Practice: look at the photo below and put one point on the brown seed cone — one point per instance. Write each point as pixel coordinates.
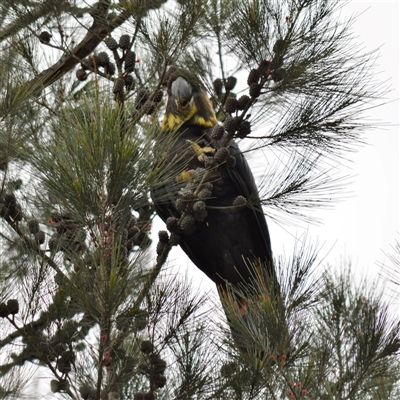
(200, 215)
(230, 124)
(124, 42)
(158, 365)
(102, 59)
(209, 162)
(13, 306)
(231, 105)
(217, 132)
(10, 200)
(159, 381)
(255, 90)
(129, 82)
(110, 69)
(16, 212)
(40, 237)
(204, 194)
(163, 237)
(279, 46)
(199, 210)
(45, 37)
(146, 347)
(181, 204)
(160, 248)
(64, 366)
(221, 155)
(149, 107)
(218, 84)
(33, 225)
(227, 370)
(158, 96)
(239, 201)
(142, 96)
(172, 224)
(111, 43)
(81, 75)
(253, 77)
(230, 83)
(119, 85)
(130, 60)
(242, 102)
(264, 67)
(244, 129)
(187, 224)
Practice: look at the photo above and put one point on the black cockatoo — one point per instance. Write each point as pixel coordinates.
(209, 197)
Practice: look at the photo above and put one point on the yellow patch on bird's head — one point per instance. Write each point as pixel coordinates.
(207, 123)
(197, 111)
(171, 122)
(174, 119)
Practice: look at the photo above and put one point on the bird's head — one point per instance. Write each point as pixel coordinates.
(187, 102)
(182, 93)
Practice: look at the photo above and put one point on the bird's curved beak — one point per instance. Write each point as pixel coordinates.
(182, 93)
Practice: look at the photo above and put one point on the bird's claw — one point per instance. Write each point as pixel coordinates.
(201, 152)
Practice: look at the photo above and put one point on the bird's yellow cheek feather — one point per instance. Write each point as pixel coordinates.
(207, 123)
(173, 121)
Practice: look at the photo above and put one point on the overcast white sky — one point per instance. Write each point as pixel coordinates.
(365, 225)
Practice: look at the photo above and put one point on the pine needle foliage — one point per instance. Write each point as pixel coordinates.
(87, 308)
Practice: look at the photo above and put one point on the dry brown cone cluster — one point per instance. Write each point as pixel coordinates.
(153, 368)
(236, 109)
(119, 67)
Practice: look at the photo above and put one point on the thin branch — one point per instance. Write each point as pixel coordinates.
(29, 17)
(96, 33)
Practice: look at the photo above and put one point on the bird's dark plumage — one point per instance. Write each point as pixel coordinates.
(232, 244)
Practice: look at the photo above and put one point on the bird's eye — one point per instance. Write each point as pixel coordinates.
(181, 103)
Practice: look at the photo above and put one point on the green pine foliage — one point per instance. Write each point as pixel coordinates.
(88, 307)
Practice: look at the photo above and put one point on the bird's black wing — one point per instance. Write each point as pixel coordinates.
(230, 239)
(242, 177)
